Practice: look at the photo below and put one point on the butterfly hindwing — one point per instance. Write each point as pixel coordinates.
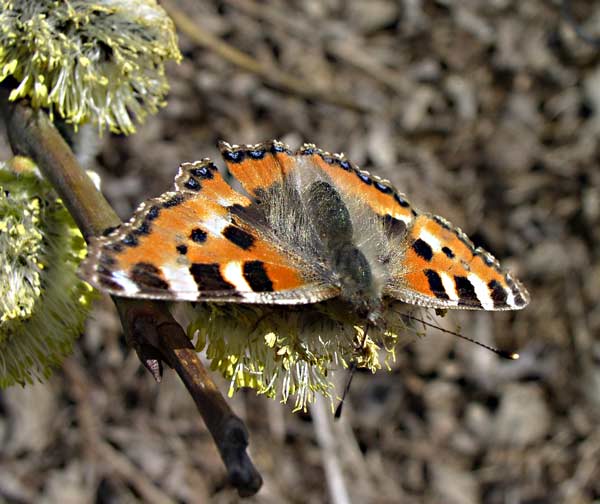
(441, 268)
(192, 245)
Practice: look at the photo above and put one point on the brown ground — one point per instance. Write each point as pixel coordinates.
(484, 112)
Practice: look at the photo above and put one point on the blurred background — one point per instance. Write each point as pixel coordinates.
(485, 112)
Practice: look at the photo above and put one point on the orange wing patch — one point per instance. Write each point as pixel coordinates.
(442, 268)
(257, 167)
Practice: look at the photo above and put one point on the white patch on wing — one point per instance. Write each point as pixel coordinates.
(407, 219)
(510, 298)
(482, 291)
(431, 240)
(225, 202)
(122, 279)
(232, 272)
(180, 279)
(449, 285)
(215, 224)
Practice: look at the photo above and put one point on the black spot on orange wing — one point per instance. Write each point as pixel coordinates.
(204, 172)
(277, 148)
(364, 178)
(328, 159)
(153, 213)
(498, 293)
(198, 235)
(435, 284)
(208, 277)
(256, 153)
(422, 249)
(182, 249)
(345, 165)
(236, 156)
(466, 292)
(448, 252)
(143, 229)
(238, 237)
(401, 201)
(256, 276)
(385, 189)
(147, 275)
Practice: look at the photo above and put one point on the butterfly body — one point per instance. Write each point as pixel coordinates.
(305, 227)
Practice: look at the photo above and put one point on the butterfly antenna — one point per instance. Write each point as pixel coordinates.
(501, 353)
(352, 369)
(338, 410)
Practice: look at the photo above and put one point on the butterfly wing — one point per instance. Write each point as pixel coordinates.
(438, 265)
(441, 268)
(280, 163)
(193, 245)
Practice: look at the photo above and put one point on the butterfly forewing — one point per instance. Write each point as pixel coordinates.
(192, 245)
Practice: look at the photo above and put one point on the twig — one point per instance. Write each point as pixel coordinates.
(148, 325)
(338, 490)
(268, 73)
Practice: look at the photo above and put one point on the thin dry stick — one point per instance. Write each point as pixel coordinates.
(338, 490)
(268, 73)
(148, 325)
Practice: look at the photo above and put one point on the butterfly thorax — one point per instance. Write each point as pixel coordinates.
(333, 225)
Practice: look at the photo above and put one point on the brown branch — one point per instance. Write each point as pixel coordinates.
(270, 74)
(148, 325)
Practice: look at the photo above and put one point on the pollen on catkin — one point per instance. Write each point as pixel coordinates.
(96, 61)
(43, 304)
(291, 353)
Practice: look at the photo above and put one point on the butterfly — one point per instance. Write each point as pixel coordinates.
(295, 228)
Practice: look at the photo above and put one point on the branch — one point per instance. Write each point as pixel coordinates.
(148, 325)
